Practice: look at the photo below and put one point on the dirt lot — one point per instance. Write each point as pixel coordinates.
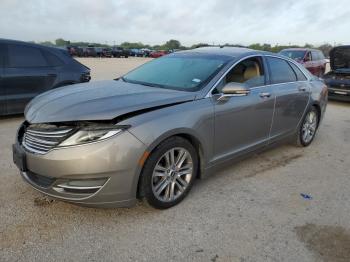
(250, 211)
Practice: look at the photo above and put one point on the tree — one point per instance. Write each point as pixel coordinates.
(172, 44)
(48, 43)
(325, 48)
(61, 42)
(199, 45)
(129, 45)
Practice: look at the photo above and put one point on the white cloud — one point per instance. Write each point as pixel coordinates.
(189, 21)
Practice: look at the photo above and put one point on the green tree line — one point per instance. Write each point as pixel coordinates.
(175, 44)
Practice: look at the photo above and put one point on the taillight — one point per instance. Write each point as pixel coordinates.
(85, 77)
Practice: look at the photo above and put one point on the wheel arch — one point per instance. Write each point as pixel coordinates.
(319, 112)
(187, 134)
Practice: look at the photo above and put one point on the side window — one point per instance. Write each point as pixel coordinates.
(308, 57)
(300, 75)
(315, 56)
(52, 59)
(280, 71)
(321, 55)
(250, 72)
(2, 55)
(25, 56)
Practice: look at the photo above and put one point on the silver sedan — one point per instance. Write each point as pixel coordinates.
(152, 132)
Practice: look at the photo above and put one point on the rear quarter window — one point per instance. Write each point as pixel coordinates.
(300, 75)
(25, 56)
(280, 71)
(52, 59)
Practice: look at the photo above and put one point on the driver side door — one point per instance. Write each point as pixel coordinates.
(243, 123)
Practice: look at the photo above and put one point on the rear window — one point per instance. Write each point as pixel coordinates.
(280, 71)
(25, 56)
(293, 54)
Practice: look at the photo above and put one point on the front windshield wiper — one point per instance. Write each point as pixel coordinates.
(140, 83)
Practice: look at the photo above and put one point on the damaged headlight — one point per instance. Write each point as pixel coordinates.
(91, 134)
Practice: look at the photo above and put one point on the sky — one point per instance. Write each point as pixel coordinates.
(189, 21)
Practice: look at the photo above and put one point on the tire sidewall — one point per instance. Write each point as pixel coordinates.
(147, 172)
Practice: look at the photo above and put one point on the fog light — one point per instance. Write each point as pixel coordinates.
(85, 186)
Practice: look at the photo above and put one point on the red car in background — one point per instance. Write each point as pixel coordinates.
(312, 59)
(156, 54)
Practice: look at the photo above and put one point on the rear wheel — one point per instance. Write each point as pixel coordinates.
(308, 128)
(169, 173)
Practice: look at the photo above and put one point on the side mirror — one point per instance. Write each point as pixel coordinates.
(234, 89)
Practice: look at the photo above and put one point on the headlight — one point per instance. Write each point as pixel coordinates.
(91, 134)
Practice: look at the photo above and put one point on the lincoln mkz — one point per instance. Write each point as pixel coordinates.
(150, 133)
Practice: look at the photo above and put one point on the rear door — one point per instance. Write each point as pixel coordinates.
(292, 95)
(26, 74)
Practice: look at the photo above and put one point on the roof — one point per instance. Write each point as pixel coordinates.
(225, 50)
(9, 41)
(300, 49)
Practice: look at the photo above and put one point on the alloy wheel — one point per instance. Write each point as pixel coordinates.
(309, 127)
(172, 174)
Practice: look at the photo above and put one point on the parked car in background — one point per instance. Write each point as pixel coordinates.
(136, 52)
(312, 59)
(152, 132)
(118, 51)
(146, 52)
(27, 69)
(99, 51)
(75, 51)
(106, 52)
(338, 79)
(159, 53)
(90, 52)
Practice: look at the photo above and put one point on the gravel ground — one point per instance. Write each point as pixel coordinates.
(249, 211)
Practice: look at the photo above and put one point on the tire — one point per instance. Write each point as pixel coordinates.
(308, 128)
(165, 183)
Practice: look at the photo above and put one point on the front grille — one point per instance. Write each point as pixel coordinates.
(42, 138)
(343, 87)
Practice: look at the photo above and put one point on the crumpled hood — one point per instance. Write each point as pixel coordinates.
(340, 58)
(101, 100)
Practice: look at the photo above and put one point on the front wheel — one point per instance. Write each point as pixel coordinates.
(308, 128)
(169, 173)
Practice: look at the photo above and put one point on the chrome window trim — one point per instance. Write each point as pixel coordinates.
(209, 94)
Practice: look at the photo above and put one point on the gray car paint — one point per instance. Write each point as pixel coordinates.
(103, 100)
(221, 131)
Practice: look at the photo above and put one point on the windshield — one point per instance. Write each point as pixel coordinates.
(179, 72)
(293, 54)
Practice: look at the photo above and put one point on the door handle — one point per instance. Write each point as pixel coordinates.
(263, 95)
(302, 88)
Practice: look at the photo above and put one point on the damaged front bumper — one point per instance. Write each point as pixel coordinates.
(103, 174)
